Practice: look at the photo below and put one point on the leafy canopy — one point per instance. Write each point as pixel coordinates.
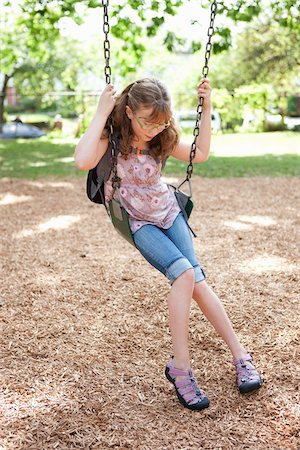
(132, 19)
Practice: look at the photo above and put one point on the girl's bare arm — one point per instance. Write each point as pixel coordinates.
(93, 143)
(182, 151)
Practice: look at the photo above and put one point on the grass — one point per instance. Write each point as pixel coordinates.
(31, 117)
(243, 166)
(253, 144)
(53, 156)
(34, 158)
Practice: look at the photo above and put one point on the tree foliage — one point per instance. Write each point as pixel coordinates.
(132, 19)
(263, 53)
(30, 32)
(38, 66)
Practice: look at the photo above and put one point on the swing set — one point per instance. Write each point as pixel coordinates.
(99, 174)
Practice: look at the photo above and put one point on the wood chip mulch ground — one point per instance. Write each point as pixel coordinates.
(84, 323)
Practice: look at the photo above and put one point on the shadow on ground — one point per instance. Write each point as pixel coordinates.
(85, 327)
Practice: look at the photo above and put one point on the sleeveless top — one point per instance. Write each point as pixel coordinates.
(146, 198)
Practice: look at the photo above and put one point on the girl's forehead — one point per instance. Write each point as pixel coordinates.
(152, 114)
(145, 111)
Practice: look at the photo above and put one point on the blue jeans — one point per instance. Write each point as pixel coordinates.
(171, 251)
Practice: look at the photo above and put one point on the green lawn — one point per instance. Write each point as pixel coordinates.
(243, 166)
(35, 158)
(253, 144)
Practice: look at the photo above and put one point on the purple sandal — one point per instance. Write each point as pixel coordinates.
(187, 390)
(248, 378)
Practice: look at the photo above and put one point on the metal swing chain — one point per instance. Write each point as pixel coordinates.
(116, 181)
(106, 43)
(205, 71)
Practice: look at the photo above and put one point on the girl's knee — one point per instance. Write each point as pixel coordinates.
(201, 287)
(201, 284)
(188, 276)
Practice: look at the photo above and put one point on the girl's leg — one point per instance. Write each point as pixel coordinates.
(214, 311)
(164, 255)
(207, 300)
(248, 378)
(178, 370)
(179, 302)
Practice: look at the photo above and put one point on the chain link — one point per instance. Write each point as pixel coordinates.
(107, 71)
(106, 43)
(205, 70)
(116, 180)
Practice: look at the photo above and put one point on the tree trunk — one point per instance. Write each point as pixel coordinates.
(2, 96)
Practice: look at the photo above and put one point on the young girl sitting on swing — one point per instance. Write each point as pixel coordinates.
(142, 117)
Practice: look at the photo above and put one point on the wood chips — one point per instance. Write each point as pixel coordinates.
(84, 322)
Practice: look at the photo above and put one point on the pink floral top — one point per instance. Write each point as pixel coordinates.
(146, 198)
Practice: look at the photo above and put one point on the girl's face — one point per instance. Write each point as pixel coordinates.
(143, 127)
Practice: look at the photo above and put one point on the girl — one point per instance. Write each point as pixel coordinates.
(147, 136)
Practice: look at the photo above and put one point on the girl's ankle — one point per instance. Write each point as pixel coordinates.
(181, 364)
(239, 354)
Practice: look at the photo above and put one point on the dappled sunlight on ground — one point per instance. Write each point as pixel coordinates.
(38, 164)
(86, 330)
(284, 337)
(55, 223)
(66, 159)
(255, 144)
(52, 184)
(237, 225)
(48, 279)
(265, 221)
(31, 401)
(10, 199)
(170, 180)
(245, 222)
(64, 140)
(266, 263)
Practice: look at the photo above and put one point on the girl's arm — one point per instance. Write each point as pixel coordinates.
(93, 143)
(182, 151)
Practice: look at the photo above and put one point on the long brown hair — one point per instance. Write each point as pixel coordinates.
(146, 93)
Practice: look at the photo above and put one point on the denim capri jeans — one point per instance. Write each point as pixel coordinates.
(171, 250)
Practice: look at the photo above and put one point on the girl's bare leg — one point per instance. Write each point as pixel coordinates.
(179, 303)
(214, 311)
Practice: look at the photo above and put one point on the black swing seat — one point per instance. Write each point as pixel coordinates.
(117, 213)
(120, 220)
(100, 174)
(184, 199)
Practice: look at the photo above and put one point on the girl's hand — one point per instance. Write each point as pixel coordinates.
(107, 101)
(204, 90)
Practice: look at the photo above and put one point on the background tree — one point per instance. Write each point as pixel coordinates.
(39, 67)
(37, 27)
(266, 53)
(65, 69)
(132, 19)
(263, 68)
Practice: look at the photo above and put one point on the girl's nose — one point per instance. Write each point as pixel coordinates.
(152, 133)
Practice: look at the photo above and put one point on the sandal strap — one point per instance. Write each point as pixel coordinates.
(245, 370)
(241, 361)
(179, 372)
(248, 374)
(187, 386)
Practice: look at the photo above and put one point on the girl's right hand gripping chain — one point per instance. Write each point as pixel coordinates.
(107, 101)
